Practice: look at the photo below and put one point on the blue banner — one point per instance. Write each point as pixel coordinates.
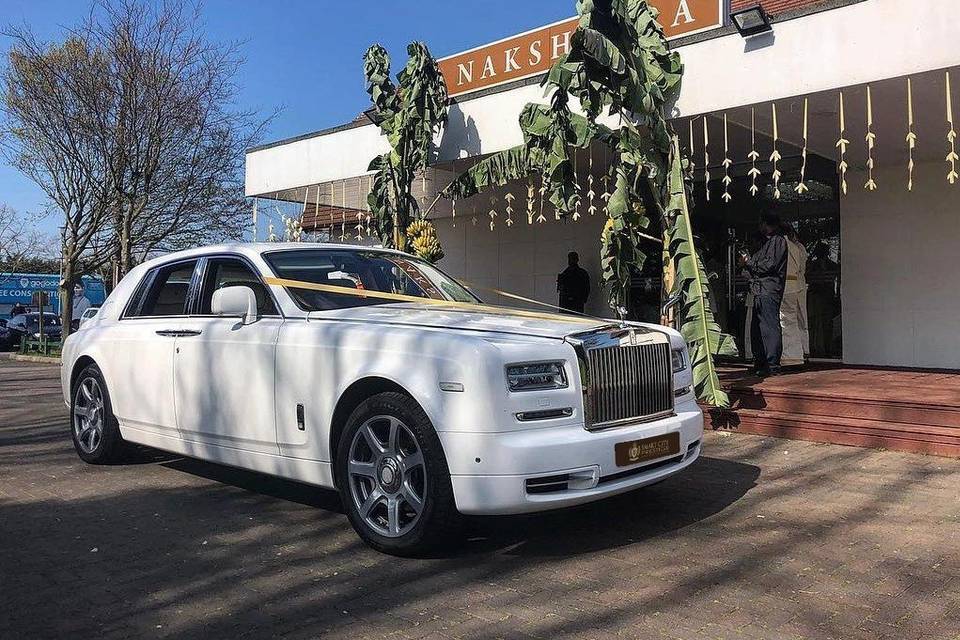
(19, 287)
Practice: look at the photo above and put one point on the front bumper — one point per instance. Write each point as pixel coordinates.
(489, 471)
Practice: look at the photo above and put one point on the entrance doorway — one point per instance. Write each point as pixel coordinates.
(723, 229)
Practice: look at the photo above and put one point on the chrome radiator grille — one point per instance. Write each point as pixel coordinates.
(628, 383)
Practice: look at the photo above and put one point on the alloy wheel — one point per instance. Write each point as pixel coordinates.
(88, 415)
(387, 476)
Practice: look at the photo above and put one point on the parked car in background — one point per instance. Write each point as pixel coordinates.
(28, 324)
(373, 372)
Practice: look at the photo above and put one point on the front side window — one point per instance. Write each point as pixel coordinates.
(167, 293)
(231, 272)
(364, 271)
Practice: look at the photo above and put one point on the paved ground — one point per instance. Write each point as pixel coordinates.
(762, 538)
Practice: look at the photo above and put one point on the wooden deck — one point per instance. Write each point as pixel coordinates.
(905, 410)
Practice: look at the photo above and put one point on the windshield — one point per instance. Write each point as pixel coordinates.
(364, 271)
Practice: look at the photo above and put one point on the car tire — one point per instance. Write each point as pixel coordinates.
(381, 483)
(94, 428)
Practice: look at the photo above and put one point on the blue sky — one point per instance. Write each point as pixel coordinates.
(305, 56)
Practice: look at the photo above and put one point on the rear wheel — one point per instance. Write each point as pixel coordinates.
(96, 435)
(393, 477)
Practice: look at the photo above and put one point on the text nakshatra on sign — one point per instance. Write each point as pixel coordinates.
(534, 52)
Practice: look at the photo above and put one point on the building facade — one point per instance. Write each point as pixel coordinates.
(846, 100)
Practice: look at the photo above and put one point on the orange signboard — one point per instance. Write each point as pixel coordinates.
(533, 52)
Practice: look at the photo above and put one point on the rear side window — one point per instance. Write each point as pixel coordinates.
(231, 272)
(165, 291)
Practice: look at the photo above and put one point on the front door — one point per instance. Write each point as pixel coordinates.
(224, 369)
(140, 350)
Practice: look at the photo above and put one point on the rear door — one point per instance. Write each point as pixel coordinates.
(224, 371)
(140, 349)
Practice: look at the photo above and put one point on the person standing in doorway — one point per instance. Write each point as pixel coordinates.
(793, 309)
(573, 285)
(768, 274)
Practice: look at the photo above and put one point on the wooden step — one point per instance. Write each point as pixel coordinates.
(846, 406)
(860, 432)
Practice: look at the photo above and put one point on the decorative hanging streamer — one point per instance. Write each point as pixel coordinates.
(871, 139)
(911, 135)
(306, 195)
(271, 236)
(706, 159)
(952, 157)
(591, 194)
(690, 154)
(531, 192)
(369, 191)
(842, 143)
(802, 186)
(509, 198)
(753, 156)
(423, 186)
(343, 211)
(576, 182)
(359, 211)
(775, 156)
(727, 162)
(453, 207)
(493, 212)
(543, 190)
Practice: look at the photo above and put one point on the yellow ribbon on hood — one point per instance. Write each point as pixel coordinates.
(468, 307)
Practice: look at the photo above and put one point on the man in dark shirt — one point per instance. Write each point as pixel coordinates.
(768, 275)
(573, 284)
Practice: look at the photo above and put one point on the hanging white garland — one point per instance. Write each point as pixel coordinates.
(952, 157)
(775, 157)
(801, 187)
(754, 155)
(493, 212)
(871, 140)
(706, 159)
(727, 162)
(359, 211)
(531, 193)
(842, 144)
(591, 193)
(509, 210)
(911, 135)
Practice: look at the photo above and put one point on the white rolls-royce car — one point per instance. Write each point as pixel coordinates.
(374, 373)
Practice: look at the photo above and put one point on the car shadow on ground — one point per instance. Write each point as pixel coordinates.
(692, 496)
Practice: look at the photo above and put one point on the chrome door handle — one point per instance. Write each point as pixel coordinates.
(179, 333)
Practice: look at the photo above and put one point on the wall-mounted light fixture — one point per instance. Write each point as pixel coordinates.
(751, 21)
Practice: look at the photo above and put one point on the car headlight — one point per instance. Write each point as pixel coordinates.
(679, 359)
(536, 376)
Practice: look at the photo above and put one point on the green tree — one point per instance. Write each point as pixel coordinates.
(409, 113)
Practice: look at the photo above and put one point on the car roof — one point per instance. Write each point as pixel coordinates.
(251, 249)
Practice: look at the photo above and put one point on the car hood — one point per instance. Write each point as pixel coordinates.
(506, 321)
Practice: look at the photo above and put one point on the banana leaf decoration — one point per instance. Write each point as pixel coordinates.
(697, 323)
(408, 114)
(618, 64)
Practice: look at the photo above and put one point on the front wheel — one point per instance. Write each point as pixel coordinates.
(96, 435)
(393, 477)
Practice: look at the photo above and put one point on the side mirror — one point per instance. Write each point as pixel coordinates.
(235, 301)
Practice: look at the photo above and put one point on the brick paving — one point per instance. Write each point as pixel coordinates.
(763, 538)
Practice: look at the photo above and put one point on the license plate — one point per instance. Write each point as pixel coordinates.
(636, 451)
